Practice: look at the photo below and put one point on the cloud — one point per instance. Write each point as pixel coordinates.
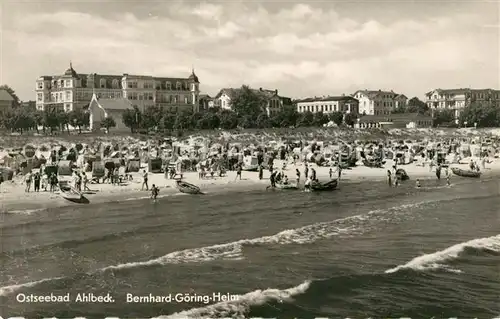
(300, 49)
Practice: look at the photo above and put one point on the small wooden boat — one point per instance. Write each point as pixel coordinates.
(68, 192)
(288, 186)
(402, 175)
(326, 186)
(465, 173)
(187, 188)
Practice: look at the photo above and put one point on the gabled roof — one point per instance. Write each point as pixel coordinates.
(327, 99)
(373, 93)
(115, 104)
(460, 91)
(5, 96)
(232, 92)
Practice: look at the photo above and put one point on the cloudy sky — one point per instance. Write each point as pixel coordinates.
(300, 48)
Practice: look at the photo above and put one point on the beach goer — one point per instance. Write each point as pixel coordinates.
(330, 172)
(36, 182)
(285, 180)
(78, 181)
(471, 165)
(297, 173)
(417, 183)
(448, 180)
(85, 181)
(154, 191)
(339, 170)
(27, 180)
(389, 177)
(483, 162)
(272, 179)
(238, 172)
(261, 172)
(307, 184)
(306, 171)
(313, 174)
(438, 172)
(144, 180)
(1, 178)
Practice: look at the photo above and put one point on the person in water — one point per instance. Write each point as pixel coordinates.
(448, 180)
(297, 173)
(154, 192)
(389, 177)
(418, 183)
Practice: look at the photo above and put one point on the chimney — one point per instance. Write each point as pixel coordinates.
(276, 91)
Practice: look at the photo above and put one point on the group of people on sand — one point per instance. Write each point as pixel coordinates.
(39, 180)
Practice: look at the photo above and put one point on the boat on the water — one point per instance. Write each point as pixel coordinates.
(187, 188)
(68, 192)
(323, 186)
(465, 173)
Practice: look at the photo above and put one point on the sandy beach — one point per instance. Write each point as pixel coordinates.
(15, 199)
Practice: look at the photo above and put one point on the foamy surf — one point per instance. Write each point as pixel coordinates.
(349, 226)
(353, 225)
(240, 307)
(7, 290)
(23, 211)
(436, 260)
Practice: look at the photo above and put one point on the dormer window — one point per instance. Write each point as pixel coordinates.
(168, 85)
(178, 85)
(103, 83)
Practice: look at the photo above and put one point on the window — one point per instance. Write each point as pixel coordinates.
(148, 85)
(68, 95)
(40, 85)
(132, 85)
(186, 100)
(168, 85)
(67, 83)
(39, 97)
(102, 83)
(178, 85)
(115, 84)
(132, 96)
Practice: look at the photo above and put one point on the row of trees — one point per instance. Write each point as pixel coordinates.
(248, 112)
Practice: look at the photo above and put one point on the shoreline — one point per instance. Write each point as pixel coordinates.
(14, 199)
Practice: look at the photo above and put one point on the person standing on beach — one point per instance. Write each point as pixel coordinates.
(389, 178)
(297, 172)
(306, 171)
(27, 180)
(438, 172)
(313, 174)
(448, 180)
(330, 172)
(261, 172)
(144, 180)
(238, 172)
(36, 182)
(85, 181)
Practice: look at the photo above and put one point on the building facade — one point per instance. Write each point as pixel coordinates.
(379, 102)
(458, 99)
(101, 108)
(6, 100)
(400, 120)
(205, 102)
(274, 102)
(72, 90)
(330, 104)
